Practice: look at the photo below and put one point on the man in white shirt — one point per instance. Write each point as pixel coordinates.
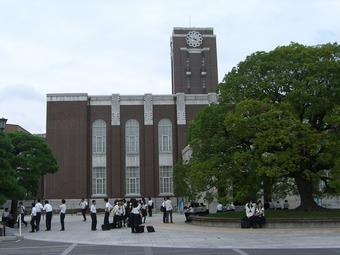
(48, 209)
(83, 207)
(38, 208)
(168, 208)
(93, 211)
(33, 218)
(150, 206)
(62, 209)
(108, 209)
(22, 213)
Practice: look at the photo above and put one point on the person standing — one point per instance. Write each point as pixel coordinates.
(83, 206)
(38, 207)
(93, 211)
(143, 209)
(163, 210)
(108, 209)
(150, 206)
(62, 212)
(48, 209)
(168, 208)
(33, 218)
(22, 213)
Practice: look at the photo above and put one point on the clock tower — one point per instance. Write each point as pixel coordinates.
(193, 60)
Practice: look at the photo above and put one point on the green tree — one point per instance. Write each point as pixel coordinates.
(285, 124)
(31, 159)
(8, 182)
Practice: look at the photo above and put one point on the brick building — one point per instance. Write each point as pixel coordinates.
(126, 146)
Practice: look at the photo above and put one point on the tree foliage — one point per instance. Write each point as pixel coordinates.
(284, 126)
(24, 159)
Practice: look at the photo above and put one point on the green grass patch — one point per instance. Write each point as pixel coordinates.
(289, 214)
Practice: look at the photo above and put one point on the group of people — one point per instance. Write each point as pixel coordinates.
(124, 213)
(254, 215)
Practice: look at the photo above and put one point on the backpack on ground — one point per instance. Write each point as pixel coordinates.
(140, 229)
(150, 229)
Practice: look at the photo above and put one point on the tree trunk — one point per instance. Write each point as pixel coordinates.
(305, 189)
(267, 189)
(14, 208)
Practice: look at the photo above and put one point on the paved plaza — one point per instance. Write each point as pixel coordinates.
(182, 235)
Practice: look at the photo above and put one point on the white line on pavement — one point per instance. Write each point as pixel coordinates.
(69, 249)
(238, 251)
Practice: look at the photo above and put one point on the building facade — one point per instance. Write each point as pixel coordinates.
(126, 146)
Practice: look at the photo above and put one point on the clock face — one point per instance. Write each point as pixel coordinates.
(194, 39)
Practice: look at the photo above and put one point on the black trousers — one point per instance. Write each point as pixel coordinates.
(94, 221)
(23, 219)
(106, 218)
(169, 216)
(164, 216)
(62, 221)
(48, 220)
(37, 220)
(83, 212)
(150, 211)
(33, 221)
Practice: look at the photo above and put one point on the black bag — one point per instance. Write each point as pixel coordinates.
(162, 209)
(150, 229)
(112, 226)
(140, 229)
(105, 227)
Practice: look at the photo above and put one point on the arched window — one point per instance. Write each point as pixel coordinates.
(99, 137)
(99, 158)
(165, 157)
(132, 170)
(165, 136)
(132, 137)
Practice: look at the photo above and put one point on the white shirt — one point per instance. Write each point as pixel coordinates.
(93, 209)
(249, 210)
(135, 210)
(108, 207)
(22, 209)
(62, 208)
(150, 203)
(47, 208)
(34, 211)
(259, 211)
(83, 204)
(168, 205)
(38, 207)
(5, 214)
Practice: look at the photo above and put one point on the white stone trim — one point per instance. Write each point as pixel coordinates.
(148, 109)
(196, 99)
(100, 100)
(195, 50)
(165, 159)
(181, 115)
(115, 110)
(184, 35)
(132, 100)
(67, 97)
(163, 99)
(132, 160)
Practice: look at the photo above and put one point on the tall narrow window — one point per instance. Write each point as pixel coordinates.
(99, 158)
(132, 170)
(165, 157)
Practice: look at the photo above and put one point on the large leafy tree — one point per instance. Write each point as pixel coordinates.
(285, 124)
(24, 159)
(8, 182)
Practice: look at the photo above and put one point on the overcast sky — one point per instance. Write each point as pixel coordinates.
(102, 47)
